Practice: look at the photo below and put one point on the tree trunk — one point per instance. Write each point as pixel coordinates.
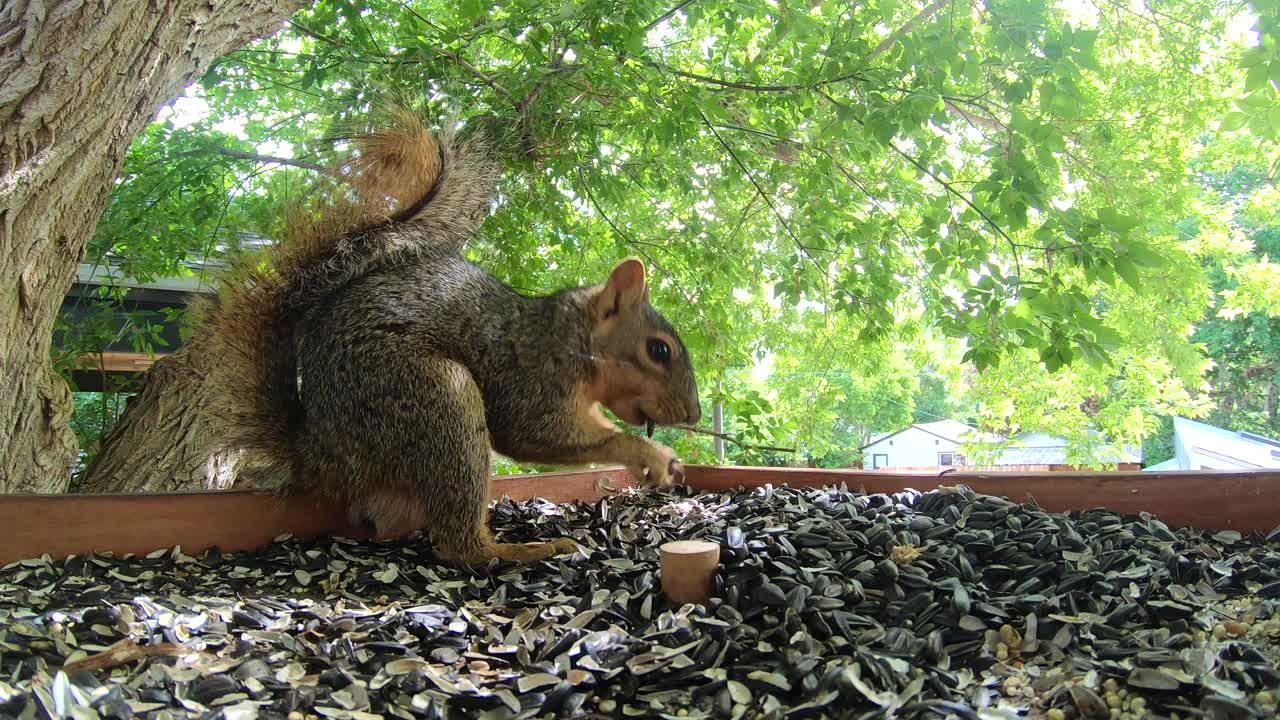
(164, 441)
(1226, 402)
(1271, 405)
(78, 81)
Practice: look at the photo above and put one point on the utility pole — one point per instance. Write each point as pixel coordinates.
(717, 424)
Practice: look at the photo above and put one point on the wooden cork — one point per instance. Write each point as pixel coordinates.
(688, 570)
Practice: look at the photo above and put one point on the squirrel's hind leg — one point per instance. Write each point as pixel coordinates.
(452, 477)
(484, 549)
(389, 513)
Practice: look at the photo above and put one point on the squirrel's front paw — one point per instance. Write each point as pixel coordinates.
(659, 468)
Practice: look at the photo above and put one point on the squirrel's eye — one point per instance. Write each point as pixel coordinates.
(659, 352)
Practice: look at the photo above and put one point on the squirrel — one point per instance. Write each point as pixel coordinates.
(365, 360)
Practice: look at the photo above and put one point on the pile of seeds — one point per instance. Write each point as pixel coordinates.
(829, 603)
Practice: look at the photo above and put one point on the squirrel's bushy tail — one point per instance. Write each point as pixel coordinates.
(402, 190)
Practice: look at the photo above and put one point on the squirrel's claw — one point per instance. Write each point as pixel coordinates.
(676, 470)
(661, 469)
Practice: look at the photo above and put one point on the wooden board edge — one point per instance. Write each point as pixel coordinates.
(32, 526)
(1208, 500)
(58, 526)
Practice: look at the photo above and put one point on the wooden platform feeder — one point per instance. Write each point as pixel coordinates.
(63, 525)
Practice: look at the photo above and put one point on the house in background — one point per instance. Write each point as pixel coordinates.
(919, 445)
(148, 299)
(937, 445)
(1199, 446)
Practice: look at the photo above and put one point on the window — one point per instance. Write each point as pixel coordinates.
(946, 459)
(879, 460)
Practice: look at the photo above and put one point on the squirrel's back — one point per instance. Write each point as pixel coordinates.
(443, 304)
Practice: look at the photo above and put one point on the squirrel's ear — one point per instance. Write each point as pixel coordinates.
(628, 279)
(626, 287)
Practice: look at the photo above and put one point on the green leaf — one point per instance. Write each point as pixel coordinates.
(1019, 90)
(1261, 125)
(1128, 271)
(635, 41)
(1113, 219)
(1257, 78)
(1107, 338)
(1234, 121)
(1273, 119)
(1093, 354)
(1144, 256)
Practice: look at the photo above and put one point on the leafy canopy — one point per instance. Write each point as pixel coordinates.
(849, 192)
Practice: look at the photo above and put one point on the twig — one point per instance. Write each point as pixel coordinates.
(316, 35)
(746, 213)
(522, 108)
(753, 87)
(591, 198)
(989, 123)
(479, 74)
(242, 155)
(888, 43)
(123, 653)
(763, 195)
(734, 440)
(666, 15)
(945, 185)
(460, 61)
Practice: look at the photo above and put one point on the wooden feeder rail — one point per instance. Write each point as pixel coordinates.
(63, 525)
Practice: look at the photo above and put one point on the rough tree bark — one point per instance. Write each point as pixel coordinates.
(164, 442)
(78, 81)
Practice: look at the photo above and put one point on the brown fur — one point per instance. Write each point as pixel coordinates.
(414, 362)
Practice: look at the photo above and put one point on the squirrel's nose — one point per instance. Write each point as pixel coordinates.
(695, 414)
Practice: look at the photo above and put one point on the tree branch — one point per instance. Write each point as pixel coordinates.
(666, 15)
(753, 87)
(241, 155)
(730, 438)
(897, 35)
(763, 195)
(458, 59)
(479, 74)
(746, 213)
(989, 123)
(946, 186)
(627, 238)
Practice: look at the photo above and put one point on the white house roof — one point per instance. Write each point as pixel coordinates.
(1234, 446)
(1026, 448)
(951, 430)
(1167, 465)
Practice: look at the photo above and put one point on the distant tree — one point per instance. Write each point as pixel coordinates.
(1159, 445)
